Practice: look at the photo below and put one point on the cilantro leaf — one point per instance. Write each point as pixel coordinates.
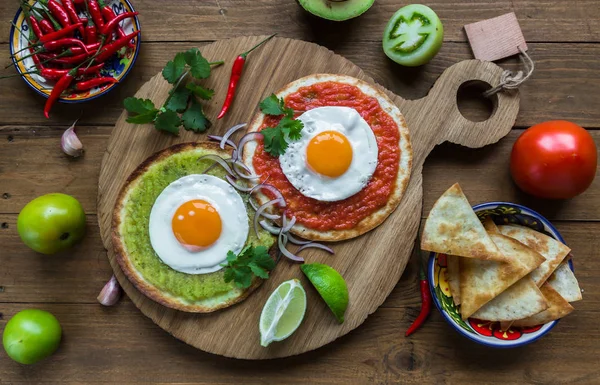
(199, 91)
(138, 106)
(194, 119)
(250, 262)
(272, 105)
(199, 67)
(258, 271)
(178, 101)
(274, 141)
(148, 117)
(174, 69)
(143, 107)
(168, 121)
(291, 127)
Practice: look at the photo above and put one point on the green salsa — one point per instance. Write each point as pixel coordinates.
(136, 237)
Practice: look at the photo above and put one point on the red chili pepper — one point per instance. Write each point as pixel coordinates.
(55, 74)
(62, 84)
(94, 10)
(109, 15)
(73, 16)
(112, 24)
(236, 73)
(91, 48)
(60, 33)
(425, 302)
(56, 44)
(35, 27)
(59, 13)
(79, 2)
(71, 60)
(91, 35)
(109, 49)
(89, 84)
(46, 26)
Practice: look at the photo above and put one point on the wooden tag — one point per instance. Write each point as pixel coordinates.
(496, 38)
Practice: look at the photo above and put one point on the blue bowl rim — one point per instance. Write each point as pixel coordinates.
(61, 100)
(505, 344)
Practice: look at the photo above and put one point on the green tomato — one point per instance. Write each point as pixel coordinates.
(51, 223)
(413, 36)
(31, 335)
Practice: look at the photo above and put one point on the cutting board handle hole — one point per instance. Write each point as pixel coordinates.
(472, 104)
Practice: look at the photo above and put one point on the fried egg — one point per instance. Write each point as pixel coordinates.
(335, 157)
(195, 221)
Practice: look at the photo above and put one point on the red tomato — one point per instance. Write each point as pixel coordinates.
(555, 159)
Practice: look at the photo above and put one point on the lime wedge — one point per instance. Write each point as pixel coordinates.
(330, 285)
(283, 312)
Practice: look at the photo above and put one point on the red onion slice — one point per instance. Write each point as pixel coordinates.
(262, 208)
(315, 245)
(237, 164)
(230, 132)
(275, 230)
(296, 241)
(233, 182)
(217, 138)
(272, 217)
(281, 242)
(246, 138)
(222, 162)
(288, 226)
(270, 188)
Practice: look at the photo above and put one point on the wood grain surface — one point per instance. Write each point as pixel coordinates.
(431, 120)
(120, 345)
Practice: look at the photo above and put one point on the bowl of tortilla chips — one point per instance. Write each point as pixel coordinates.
(499, 272)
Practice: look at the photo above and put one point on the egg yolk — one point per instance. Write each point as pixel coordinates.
(329, 153)
(196, 224)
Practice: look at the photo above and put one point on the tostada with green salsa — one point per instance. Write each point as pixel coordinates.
(176, 223)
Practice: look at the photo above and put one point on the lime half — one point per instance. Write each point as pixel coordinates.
(283, 312)
(330, 285)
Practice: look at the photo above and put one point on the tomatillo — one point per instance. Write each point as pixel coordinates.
(31, 335)
(413, 36)
(51, 223)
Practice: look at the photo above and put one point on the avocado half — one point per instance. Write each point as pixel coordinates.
(336, 10)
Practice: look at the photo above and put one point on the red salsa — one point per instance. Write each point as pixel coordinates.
(347, 213)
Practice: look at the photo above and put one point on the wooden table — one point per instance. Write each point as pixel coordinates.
(120, 345)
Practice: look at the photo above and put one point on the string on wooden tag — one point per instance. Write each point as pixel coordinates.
(497, 38)
(511, 81)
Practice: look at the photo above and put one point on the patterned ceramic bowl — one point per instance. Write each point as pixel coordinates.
(118, 66)
(486, 332)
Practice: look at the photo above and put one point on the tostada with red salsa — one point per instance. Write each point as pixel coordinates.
(344, 169)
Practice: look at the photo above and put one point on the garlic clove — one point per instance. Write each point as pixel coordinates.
(70, 143)
(111, 292)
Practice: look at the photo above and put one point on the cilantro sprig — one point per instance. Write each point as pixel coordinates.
(250, 262)
(276, 139)
(182, 106)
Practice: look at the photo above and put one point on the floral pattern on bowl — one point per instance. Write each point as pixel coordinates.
(118, 66)
(486, 332)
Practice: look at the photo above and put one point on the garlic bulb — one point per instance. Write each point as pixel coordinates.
(70, 143)
(111, 292)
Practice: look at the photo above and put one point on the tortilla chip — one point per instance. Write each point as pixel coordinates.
(452, 273)
(482, 281)
(553, 250)
(521, 300)
(564, 282)
(453, 228)
(490, 226)
(559, 307)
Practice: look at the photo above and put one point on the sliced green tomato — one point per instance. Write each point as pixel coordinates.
(413, 36)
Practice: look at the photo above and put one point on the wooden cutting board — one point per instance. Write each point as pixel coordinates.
(371, 264)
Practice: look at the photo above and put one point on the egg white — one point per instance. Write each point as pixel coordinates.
(226, 201)
(348, 122)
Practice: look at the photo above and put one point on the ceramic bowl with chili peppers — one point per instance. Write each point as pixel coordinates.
(485, 332)
(54, 57)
